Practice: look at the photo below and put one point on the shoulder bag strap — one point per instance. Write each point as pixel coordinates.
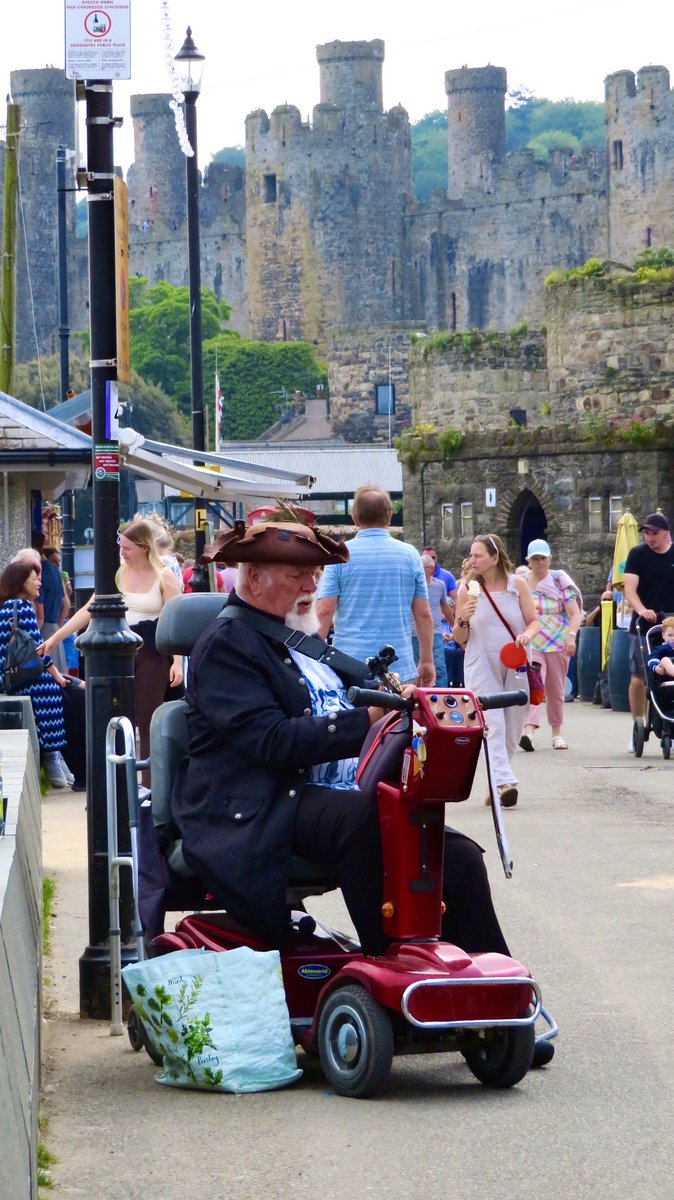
(498, 612)
(294, 639)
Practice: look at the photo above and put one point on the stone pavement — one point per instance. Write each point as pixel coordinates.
(588, 909)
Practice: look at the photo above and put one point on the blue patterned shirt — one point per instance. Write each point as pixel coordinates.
(327, 694)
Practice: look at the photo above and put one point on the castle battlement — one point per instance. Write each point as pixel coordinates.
(321, 231)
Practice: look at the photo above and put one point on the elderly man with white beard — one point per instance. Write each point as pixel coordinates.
(274, 745)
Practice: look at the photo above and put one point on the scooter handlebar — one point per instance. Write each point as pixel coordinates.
(364, 697)
(504, 700)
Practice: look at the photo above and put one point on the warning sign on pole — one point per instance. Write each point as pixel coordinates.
(98, 40)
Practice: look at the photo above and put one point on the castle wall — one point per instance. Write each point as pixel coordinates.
(608, 351)
(611, 347)
(47, 101)
(529, 470)
(325, 210)
(473, 387)
(358, 360)
(481, 263)
(640, 137)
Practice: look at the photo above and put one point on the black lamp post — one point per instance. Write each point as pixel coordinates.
(108, 644)
(190, 65)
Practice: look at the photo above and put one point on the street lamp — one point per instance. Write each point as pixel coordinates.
(190, 64)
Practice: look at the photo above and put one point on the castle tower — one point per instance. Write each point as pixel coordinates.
(158, 211)
(156, 179)
(640, 136)
(47, 102)
(351, 74)
(475, 126)
(325, 205)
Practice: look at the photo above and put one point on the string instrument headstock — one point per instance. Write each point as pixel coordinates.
(379, 665)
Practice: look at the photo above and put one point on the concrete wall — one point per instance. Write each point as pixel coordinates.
(20, 965)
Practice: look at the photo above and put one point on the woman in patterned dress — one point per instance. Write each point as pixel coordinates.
(20, 587)
(555, 597)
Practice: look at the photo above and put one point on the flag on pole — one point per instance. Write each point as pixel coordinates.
(218, 411)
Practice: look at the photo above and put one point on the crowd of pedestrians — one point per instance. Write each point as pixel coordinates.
(482, 629)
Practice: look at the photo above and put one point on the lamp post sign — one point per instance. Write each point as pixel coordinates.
(98, 40)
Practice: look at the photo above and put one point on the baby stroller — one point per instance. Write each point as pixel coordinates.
(659, 718)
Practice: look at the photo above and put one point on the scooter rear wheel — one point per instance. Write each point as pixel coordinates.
(500, 1057)
(355, 1042)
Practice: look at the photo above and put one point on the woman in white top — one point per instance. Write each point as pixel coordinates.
(482, 631)
(146, 584)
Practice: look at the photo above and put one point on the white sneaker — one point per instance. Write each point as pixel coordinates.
(69, 777)
(52, 765)
(630, 746)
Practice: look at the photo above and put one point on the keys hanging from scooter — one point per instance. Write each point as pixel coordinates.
(419, 748)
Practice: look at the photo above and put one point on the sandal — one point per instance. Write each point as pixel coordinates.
(558, 743)
(508, 794)
(526, 743)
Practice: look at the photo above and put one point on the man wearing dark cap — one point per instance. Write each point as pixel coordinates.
(649, 588)
(273, 750)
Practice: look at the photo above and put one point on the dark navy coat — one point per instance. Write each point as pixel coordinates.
(252, 736)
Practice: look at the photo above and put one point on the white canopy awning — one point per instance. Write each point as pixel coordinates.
(167, 465)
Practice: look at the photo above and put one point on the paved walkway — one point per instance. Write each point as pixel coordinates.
(589, 910)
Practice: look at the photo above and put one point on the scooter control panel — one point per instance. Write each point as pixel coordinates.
(453, 708)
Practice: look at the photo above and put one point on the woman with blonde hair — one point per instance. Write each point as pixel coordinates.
(146, 584)
(494, 606)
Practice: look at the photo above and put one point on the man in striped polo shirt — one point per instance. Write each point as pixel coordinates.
(372, 598)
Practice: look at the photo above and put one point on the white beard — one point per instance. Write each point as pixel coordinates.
(308, 623)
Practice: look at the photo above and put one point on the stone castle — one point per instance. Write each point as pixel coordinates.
(320, 237)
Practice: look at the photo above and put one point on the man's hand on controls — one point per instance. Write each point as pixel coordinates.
(376, 714)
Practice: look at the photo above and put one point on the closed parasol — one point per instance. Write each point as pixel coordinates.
(627, 536)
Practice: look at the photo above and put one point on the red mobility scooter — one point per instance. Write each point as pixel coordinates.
(354, 1011)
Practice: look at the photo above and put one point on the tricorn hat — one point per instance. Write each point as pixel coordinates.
(287, 539)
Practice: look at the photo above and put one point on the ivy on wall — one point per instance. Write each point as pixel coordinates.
(259, 381)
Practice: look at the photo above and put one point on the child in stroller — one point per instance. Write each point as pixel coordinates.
(661, 658)
(657, 649)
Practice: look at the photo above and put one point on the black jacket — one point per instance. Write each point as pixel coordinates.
(252, 735)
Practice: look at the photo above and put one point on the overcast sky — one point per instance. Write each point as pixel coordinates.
(262, 54)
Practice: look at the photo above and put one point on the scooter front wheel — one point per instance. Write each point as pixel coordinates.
(355, 1042)
(500, 1057)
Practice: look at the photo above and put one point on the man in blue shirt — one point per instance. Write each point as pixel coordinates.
(371, 598)
(441, 573)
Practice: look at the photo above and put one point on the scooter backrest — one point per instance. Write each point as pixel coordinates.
(184, 619)
(169, 744)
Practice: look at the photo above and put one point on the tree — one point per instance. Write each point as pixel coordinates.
(148, 409)
(232, 156)
(160, 335)
(553, 139)
(253, 378)
(575, 123)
